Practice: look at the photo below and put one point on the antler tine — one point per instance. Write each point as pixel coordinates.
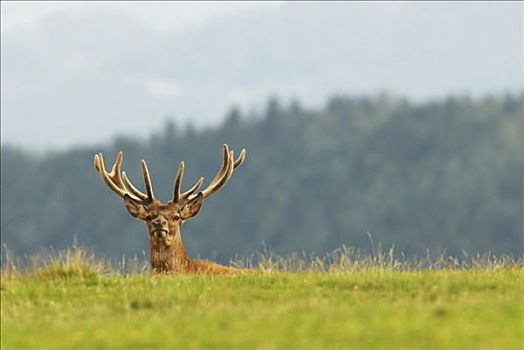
(147, 181)
(100, 167)
(222, 176)
(178, 182)
(240, 158)
(112, 179)
(228, 166)
(229, 172)
(219, 176)
(192, 190)
(224, 167)
(132, 188)
(115, 170)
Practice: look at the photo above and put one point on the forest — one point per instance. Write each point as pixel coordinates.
(435, 177)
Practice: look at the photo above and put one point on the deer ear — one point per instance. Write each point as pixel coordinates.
(135, 209)
(192, 207)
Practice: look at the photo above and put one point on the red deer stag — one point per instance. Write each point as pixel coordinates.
(168, 253)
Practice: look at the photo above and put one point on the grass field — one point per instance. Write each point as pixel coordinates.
(478, 308)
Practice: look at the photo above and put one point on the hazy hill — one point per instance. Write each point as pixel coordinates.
(99, 73)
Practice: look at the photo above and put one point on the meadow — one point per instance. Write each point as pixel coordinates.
(76, 301)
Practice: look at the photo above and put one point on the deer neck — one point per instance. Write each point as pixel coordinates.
(171, 258)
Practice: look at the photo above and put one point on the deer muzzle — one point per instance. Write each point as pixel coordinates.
(160, 233)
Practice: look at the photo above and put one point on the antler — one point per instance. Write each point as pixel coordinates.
(178, 197)
(120, 184)
(118, 181)
(228, 166)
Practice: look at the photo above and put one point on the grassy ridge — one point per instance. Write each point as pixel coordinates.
(367, 309)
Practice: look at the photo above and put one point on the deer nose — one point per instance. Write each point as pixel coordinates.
(160, 222)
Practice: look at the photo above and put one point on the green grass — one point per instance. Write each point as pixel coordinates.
(371, 308)
(73, 299)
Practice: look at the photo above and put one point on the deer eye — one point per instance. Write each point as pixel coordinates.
(176, 217)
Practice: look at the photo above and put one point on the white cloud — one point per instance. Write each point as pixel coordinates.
(163, 88)
(157, 15)
(23, 14)
(96, 69)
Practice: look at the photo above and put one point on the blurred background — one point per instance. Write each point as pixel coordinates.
(401, 121)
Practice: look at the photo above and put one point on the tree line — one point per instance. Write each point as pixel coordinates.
(440, 176)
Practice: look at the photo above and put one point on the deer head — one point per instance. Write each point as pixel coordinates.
(164, 220)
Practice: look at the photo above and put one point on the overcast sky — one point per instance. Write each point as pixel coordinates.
(80, 72)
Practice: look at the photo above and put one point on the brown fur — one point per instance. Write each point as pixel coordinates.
(168, 253)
